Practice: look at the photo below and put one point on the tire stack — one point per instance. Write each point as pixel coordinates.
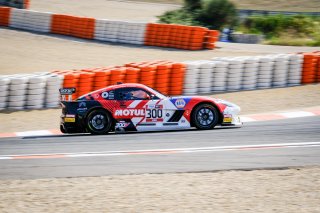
(295, 69)
(280, 72)
(17, 92)
(132, 75)
(120, 31)
(52, 96)
(117, 75)
(35, 92)
(191, 78)
(250, 72)
(264, 77)
(310, 61)
(162, 77)
(101, 78)
(177, 79)
(235, 72)
(219, 81)
(4, 86)
(131, 33)
(30, 20)
(205, 77)
(147, 74)
(5, 16)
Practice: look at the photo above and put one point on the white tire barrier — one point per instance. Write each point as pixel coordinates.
(30, 20)
(120, 31)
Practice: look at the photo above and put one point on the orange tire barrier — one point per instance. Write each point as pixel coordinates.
(165, 76)
(309, 71)
(80, 27)
(4, 16)
(181, 37)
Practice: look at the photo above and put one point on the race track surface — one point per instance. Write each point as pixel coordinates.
(273, 144)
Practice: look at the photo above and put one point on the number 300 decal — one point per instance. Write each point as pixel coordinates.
(153, 113)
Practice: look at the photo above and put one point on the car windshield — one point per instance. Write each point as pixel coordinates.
(157, 93)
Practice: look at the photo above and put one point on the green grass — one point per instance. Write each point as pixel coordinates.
(276, 5)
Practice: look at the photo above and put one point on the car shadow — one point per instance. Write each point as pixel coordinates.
(219, 128)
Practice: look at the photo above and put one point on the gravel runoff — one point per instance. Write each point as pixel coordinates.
(289, 190)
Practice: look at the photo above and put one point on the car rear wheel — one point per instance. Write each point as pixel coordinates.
(205, 116)
(99, 122)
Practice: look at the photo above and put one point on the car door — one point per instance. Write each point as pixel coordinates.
(136, 111)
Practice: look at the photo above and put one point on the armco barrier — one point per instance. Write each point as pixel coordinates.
(40, 90)
(152, 34)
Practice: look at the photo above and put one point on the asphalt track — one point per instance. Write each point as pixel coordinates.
(272, 144)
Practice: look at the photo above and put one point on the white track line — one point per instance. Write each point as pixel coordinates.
(161, 151)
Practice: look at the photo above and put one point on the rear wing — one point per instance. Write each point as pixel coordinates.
(66, 93)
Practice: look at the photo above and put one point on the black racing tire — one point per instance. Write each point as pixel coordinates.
(205, 116)
(62, 129)
(99, 122)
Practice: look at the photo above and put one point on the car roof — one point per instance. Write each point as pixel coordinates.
(125, 85)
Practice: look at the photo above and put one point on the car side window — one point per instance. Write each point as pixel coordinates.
(132, 94)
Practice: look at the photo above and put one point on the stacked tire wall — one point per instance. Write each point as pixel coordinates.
(150, 34)
(41, 90)
(243, 73)
(30, 91)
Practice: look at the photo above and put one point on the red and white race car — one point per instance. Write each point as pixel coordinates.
(136, 107)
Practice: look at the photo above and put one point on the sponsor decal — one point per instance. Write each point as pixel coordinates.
(69, 120)
(82, 104)
(105, 95)
(154, 106)
(151, 106)
(122, 124)
(96, 96)
(70, 116)
(180, 103)
(227, 120)
(130, 112)
(168, 114)
(111, 95)
(154, 120)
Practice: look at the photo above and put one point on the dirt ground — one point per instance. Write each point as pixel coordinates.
(291, 190)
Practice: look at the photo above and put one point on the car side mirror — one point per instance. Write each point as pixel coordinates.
(152, 96)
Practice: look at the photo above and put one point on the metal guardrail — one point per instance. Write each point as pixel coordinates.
(246, 13)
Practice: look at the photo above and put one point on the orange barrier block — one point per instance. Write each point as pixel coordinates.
(80, 27)
(4, 16)
(180, 36)
(309, 68)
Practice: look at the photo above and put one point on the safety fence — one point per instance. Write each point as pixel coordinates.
(220, 74)
(149, 34)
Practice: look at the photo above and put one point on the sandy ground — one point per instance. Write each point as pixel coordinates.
(291, 190)
(25, 52)
(251, 102)
(104, 9)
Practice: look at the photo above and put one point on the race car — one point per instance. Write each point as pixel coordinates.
(136, 107)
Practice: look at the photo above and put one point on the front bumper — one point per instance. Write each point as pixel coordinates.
(231, 116)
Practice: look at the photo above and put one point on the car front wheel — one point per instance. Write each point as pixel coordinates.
(99, 122)
(205, 116)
